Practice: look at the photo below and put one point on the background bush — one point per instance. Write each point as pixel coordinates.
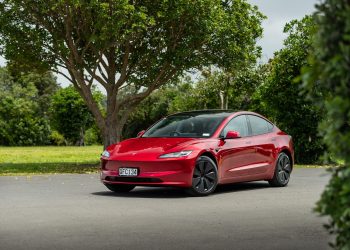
(21, 117)
(328, 82)
(281, 94)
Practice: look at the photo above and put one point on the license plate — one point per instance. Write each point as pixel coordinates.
(127, 171)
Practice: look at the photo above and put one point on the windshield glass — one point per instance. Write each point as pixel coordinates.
(184, 125)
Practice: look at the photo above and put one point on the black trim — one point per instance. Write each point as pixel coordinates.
(133, 179)
(250, 131)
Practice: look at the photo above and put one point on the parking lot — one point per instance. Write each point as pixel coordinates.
(77, 212)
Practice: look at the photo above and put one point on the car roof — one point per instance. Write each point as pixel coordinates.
(220, 112)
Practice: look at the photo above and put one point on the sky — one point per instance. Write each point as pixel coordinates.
(278, 13)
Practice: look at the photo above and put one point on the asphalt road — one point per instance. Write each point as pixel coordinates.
(77, 212)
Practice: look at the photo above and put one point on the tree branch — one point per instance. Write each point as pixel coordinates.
(62, 74)
(123, 71)
(161, 79)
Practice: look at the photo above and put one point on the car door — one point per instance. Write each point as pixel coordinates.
(235, 154)
(263, 143)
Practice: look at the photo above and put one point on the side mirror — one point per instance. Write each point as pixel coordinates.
(232, 135)
(139, 134)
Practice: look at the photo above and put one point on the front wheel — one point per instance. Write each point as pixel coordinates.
(283, 170)
(205, 177)
(120, 188)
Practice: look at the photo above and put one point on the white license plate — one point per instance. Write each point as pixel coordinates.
(127, 171)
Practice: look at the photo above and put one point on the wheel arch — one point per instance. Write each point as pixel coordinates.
(210, 155)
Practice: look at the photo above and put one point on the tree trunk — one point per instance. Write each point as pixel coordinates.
(111, 126)
(111, 123)
(115, 120)
(110, 135)
(114, 128)
(223, 99)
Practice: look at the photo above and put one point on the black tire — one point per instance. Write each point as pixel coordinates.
(120, 188)
(205, 177)
(283, 170)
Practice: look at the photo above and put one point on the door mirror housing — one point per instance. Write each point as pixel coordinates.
(139, 134)
(232, 135)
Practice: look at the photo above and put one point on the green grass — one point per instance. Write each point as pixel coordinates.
(49, 160)
(312, 166)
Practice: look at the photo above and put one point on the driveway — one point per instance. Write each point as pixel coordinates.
(77, 212)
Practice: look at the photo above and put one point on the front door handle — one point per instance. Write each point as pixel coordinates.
(248, 142)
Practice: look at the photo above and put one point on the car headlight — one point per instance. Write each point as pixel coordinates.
(177, 154)
(106, 154)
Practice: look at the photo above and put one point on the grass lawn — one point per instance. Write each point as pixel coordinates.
(313, 166)
(49, 159)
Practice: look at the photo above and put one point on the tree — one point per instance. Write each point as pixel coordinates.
(188, 95)
(46, 86)
(281, 96)
(70, 116)
(130, 48)
(20, 123)
(231, 89)
(328, 83)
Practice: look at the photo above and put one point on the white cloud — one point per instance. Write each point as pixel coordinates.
(279, 12)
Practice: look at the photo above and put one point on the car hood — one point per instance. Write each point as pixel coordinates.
(143, 149)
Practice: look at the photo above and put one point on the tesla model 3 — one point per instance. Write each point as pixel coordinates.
(199, 150)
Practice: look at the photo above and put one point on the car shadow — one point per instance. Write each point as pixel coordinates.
(176, 193)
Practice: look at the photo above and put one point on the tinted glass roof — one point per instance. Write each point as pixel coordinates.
(216, 112)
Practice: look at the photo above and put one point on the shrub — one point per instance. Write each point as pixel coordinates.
(328, 82)
(57, 139)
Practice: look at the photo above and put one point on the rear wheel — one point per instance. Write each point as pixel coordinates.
(120, 188)
(283, 170)
(205, 177)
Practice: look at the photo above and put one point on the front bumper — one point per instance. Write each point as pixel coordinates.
(165, 172)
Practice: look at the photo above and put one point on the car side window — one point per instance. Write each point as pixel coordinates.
(239, 124)
(270, 126)
(259, 125)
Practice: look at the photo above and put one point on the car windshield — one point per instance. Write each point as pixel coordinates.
(200, 126)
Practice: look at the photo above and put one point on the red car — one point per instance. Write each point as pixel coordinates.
(198, 150)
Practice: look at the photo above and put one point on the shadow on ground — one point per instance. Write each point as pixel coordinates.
(172, 193)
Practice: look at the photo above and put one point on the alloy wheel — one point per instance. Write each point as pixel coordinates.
(284, 169)
(204, 176)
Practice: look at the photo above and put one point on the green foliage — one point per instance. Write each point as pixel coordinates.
(191, 96)
(236, 89)
(131, 48)
(280, 94)
(70, 115)
(20, 123)
(46, 86)
(328, 83)
(208, 29)
(57, 139)
(92, 136)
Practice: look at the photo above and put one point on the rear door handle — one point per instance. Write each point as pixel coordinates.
(248, 142)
